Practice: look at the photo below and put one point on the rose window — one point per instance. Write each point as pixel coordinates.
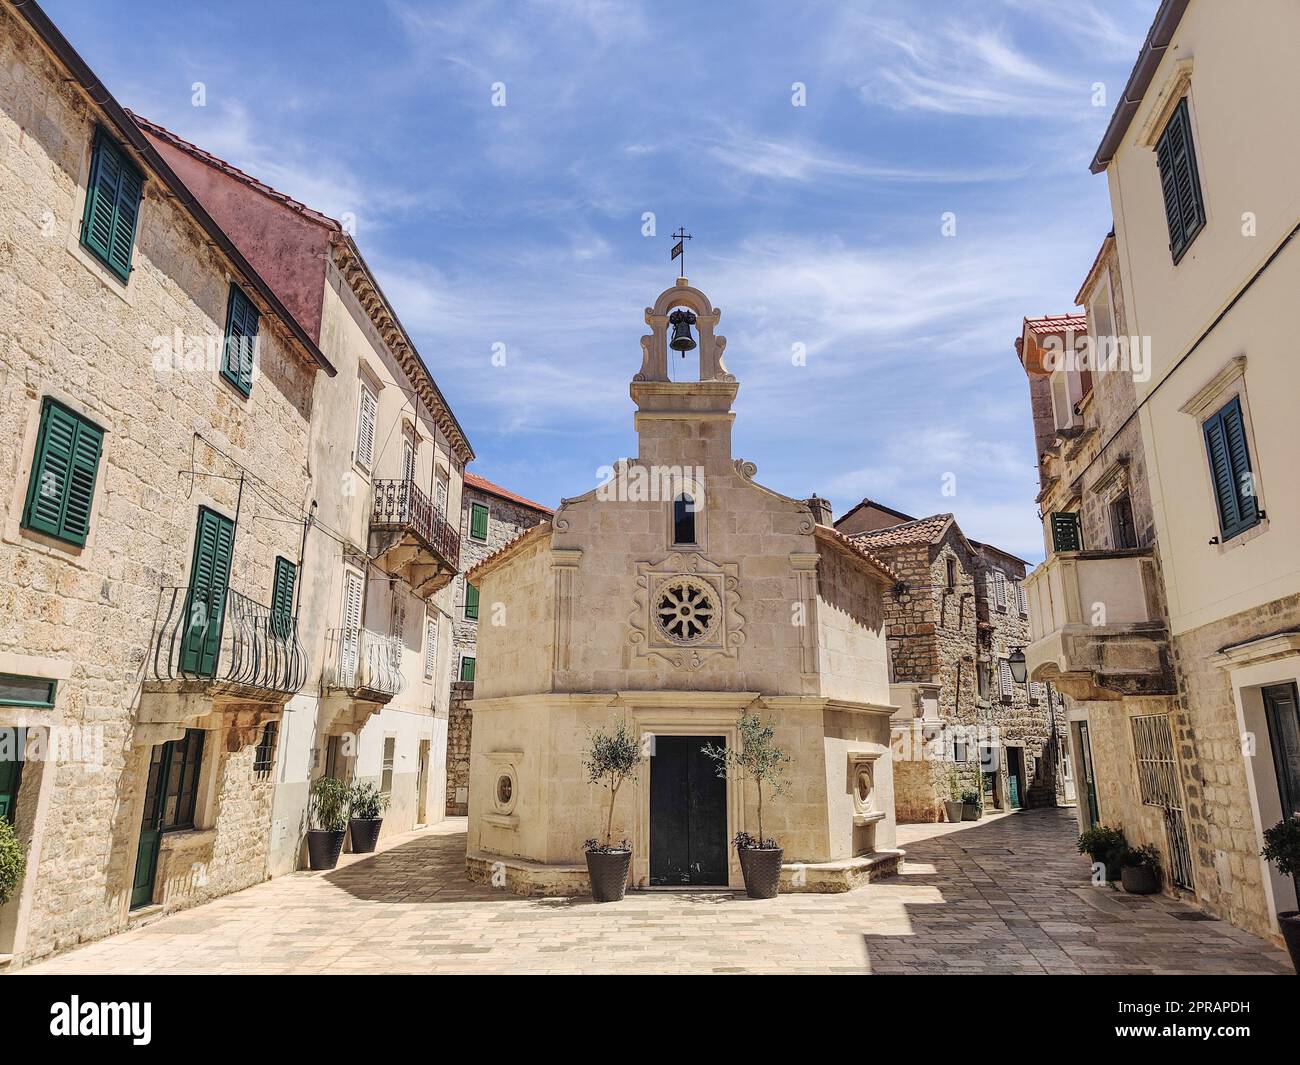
(685, 610)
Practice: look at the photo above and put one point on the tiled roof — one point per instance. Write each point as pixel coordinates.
(227, 168)
(509, 547)
(1056, 323)
(852, 545)
(921, 531)
(482, 484)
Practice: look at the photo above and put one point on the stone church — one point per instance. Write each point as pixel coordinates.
(675, 596)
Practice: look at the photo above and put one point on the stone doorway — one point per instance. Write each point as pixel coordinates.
(688, 814)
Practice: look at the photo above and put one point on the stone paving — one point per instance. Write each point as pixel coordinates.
(1003, 895)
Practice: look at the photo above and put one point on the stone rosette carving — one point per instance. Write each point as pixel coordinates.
(686, 610)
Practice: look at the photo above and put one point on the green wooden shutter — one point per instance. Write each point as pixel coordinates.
(478, 521)
(471, 601)
(286, 576)
(241, 341)
(467, 669)
(1230, 472)
(1065, 532)
(206, 600)
(61, 490)
(112, 206)
(1179, 181)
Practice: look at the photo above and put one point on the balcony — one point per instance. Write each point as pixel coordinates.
(1096, 625)
(409, 537)
(364, 664)
(234, 656)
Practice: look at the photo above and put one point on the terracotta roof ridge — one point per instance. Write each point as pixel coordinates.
(480, 482)
(852, 544)
(217, 163)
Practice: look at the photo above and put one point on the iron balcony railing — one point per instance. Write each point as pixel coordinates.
(400, 503)
(227, 640)
(361, 660)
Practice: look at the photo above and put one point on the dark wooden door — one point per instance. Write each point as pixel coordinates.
(1282, 709)
(1089, 780)
(688, 813)
(13, 744)
(1015, 776)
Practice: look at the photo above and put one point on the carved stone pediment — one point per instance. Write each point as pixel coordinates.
(686, 610)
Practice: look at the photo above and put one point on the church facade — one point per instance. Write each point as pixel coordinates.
(673, 598)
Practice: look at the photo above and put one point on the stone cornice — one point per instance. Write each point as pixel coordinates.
(353, 269)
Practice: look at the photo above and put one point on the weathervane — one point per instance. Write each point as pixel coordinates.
(679, 249)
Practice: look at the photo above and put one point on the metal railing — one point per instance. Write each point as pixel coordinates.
(234, 641)
(358, 659)
(401, 503)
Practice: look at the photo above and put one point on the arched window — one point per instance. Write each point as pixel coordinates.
(684, 519)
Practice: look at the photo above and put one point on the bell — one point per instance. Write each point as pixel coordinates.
(682, 341)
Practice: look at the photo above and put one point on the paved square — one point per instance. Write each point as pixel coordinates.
(1003, 895)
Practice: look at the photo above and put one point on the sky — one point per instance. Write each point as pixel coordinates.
(894, 221)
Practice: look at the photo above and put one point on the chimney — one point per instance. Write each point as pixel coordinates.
(821, 509)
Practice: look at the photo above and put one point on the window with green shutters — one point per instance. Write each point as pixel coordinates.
(205, 601)
(478, 521)
(467, 669)
(286, 576)
(112, 206)
(1179, 181)
(1066, 534)
(241, 341)
(61, 490)
(471, 601)
(1230, 472)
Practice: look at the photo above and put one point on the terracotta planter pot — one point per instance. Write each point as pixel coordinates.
(954, 809)
(1290, 922)
(324, 847)
(971, 811)
(365, 833)
(761, 870)
(1139, 880)
(608, 872)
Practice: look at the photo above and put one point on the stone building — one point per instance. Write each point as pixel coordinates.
(219, 452)
(491, 516)
(954, 621)
(1186, 647)
(156, 402)
(673, 598)
(382, 549)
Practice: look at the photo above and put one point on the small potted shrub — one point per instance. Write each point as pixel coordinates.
(763, 762)
(13, 862)
(953, 806)
(368, 806)
(1104, 846)
(611, 758)
(972, 805)
(1282, 848)
(1140, 870)
(327, 813)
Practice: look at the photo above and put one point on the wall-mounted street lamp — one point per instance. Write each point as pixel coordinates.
(1019, 673)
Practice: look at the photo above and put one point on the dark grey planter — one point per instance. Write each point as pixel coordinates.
(954, 809)
(971, 811)
(324, 847)
(1139, 879)
(761, 869)
(365, 833)
(1290, 922)
(608, 872)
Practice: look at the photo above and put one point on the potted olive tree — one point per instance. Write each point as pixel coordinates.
(972, 805)
(13, 862)
(953, 805)
(1282, 848)
(1105, 846)
(762, 761)
(327, 812)
(368, 806)
(611, 758)
(1140, 870)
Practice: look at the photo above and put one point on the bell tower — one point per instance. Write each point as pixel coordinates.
(683, 421)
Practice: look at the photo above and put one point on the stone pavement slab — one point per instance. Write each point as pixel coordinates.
(1003, 895)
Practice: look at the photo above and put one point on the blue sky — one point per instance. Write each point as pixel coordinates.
(817, 225)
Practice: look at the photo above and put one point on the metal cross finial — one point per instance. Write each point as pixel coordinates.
(679, 249)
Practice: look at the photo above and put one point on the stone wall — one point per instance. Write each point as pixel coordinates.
(74, 332)
(459, 721)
